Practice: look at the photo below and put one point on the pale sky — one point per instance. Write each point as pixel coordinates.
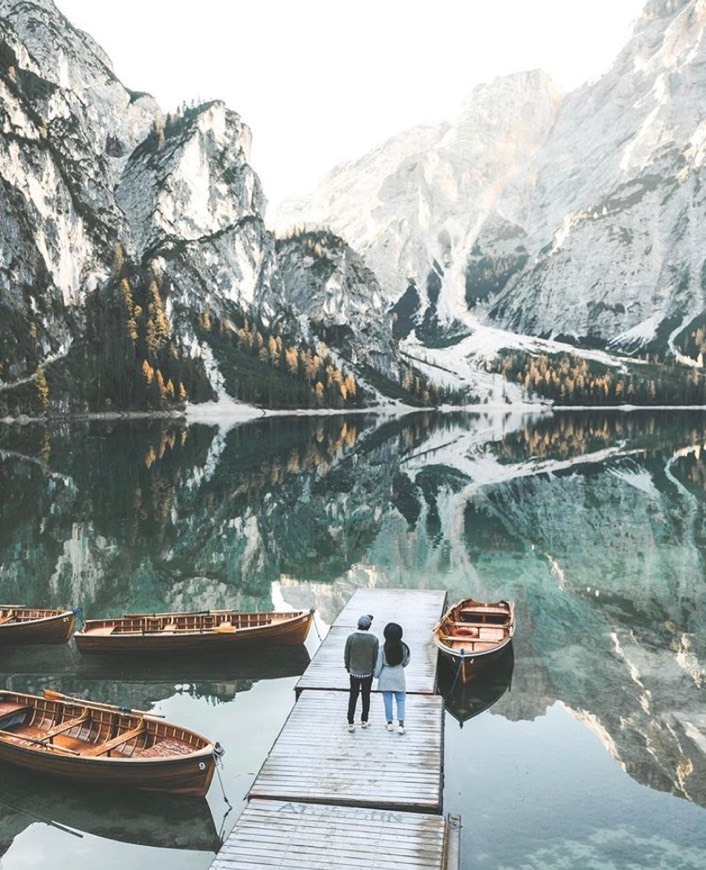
(320, 81)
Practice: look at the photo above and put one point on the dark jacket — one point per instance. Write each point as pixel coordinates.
(361, 653)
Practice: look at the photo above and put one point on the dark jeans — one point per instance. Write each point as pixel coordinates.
(358, 685)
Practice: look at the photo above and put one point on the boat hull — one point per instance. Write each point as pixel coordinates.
(186, 777)
(47, 627)
(109, 637)
(470, 665)
(34, 736)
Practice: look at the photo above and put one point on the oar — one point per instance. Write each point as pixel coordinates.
(52, 695)
(44, 819)
(41, 743)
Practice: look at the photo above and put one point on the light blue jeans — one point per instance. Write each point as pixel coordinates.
(387, 700)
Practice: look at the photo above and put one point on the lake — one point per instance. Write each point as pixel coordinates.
(584, 748)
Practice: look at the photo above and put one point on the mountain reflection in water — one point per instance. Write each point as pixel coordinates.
(593, 523)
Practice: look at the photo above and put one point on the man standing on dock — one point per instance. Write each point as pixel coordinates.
(360, 656)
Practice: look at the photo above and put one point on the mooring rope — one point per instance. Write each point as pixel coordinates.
(460, 665)
(321, 640)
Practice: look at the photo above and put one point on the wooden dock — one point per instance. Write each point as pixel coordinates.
(416, 610)
(302, 836)
(316, 758)
(329, 798)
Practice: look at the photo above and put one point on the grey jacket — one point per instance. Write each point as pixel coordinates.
(360, 653)
(391, 678)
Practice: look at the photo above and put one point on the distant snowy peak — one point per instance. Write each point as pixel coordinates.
(612, 229)
(571, 217)
(411, 205)
(655, 9)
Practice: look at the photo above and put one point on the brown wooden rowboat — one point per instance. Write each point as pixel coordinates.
(20, 624)
(472, 632)
(101, 744)
(198, 632)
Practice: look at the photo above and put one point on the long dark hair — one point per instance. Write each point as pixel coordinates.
(394, 648)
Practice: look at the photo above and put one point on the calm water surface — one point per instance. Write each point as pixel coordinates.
(584, 748)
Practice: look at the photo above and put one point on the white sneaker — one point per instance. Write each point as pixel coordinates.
(400, 729)
(363, 724)
(390, 726)
(351, 727)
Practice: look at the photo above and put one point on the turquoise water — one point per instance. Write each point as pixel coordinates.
(588, 749)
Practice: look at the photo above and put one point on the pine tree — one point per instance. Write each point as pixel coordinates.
(42, 387)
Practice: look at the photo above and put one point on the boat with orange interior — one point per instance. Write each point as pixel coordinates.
(101, 744)
(472, 632)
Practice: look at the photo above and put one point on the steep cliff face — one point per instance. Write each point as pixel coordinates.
(66, 125)
(338, 297)
(613, 224)
(574, 217)
(194, 209)
(107, 203)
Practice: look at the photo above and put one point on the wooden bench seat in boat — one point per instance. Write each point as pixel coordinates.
(11, 714)
(66, 726)
(7, 707)
(103, 748)
(475, 624)
(102, 630)
(468, 645)
(472, 613)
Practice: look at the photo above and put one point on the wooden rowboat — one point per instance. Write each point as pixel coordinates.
(20, 624)
(100, 744)
(471, 633)
(197, 632)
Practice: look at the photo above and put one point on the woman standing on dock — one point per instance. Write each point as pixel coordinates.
(359, 657)
(393, 658)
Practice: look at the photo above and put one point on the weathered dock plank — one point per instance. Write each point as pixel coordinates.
(316, 759)
(416, 610)
(321, 837)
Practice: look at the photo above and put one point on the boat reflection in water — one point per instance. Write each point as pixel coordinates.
(40, 659)
(128, 681)
(489, 683)
(173, 822)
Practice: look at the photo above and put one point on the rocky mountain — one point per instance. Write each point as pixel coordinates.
(338, 298)
(413, 206)
(571, 217)
(67, 124)
(130, 237)
(137, 272)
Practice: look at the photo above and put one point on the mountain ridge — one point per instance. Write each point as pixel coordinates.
(590, 239)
